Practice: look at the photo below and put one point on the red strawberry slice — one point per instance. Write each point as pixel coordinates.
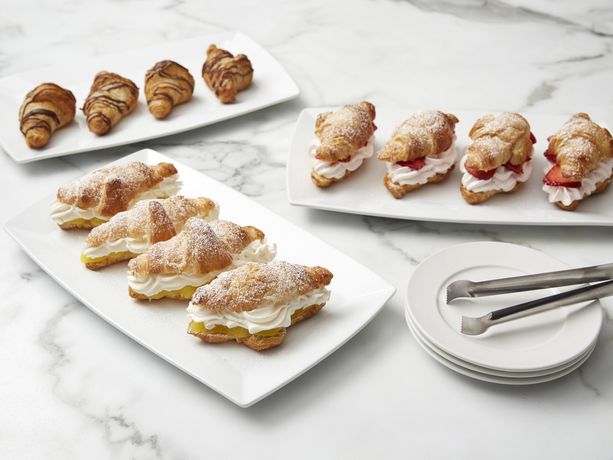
(554, 177)
(345, 160)
(517, 169)
(550, 156)
(413, 164)
(483, 175)
(532, 138)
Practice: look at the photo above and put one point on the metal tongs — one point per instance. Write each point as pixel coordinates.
(601, 275)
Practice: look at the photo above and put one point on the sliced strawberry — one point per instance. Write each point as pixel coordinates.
(517, 169)
(550, 156)
(413, 164)
(483, 175)
(554, 177)
(532, 138)
(345, 160)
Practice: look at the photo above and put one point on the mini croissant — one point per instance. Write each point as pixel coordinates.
(111, 98)
(226, 74)
(96, 197)
(419, 135)
(45, 109)
(344, 131)
(499, 139)
(194, 257)
(579, 146)
(132, 232)
(167, 84)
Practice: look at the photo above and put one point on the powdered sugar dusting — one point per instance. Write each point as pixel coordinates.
(350, 122)
(119, 184)
(247, 287)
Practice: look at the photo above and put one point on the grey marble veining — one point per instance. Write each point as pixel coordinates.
(71, 386)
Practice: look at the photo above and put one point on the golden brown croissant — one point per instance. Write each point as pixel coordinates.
(226, 74)
(96, 197)
(344, 131)
(167, 84)
(284, 293)
(497, 140)
(579, 146)
(45, 109)
(421, 134)
(111, 98)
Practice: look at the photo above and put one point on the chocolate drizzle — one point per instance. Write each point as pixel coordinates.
(170, 82)
(226, 74)
(111, 98)
(47, 107)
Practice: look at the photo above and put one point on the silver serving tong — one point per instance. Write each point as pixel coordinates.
(476, 326)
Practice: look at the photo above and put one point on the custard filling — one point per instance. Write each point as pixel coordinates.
(111, 258)
(236, 332)
(93, 221)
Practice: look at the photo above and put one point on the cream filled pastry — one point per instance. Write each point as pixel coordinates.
(498, 160)
(344, 141)
(194, 257)
(132, 232)
(98, 196)
(581, 154)
(256, 303)
(421, 150)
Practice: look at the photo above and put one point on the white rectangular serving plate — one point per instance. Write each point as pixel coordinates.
(240, 374)
(363, 191)
(271, 85)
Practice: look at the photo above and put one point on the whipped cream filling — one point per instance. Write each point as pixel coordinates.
(257, 251)
(503, 179)
(566, 195)
(133, 245)
(263, 318)
(338, 169)
(403, 175)
(62, 213)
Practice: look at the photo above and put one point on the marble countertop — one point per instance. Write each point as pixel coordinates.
(71, 386)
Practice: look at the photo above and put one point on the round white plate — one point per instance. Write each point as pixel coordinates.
(536, 343)
(498, 379)
(483, 370)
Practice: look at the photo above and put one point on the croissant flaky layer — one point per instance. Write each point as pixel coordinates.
(421, 134)
(167, 84)
(200, 248)
(497, 140)
(45, 109)
(579, 146)
(345, 131)
(253, 285)
(226, 74)
(111, 98)
(110, 190)
(153, 220)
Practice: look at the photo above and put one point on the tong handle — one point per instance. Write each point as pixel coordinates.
(541, 280)
(591, 292)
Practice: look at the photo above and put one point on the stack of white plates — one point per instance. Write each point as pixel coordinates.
(535, 349)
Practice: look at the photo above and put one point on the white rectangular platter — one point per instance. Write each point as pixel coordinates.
(364, 193)
(271, 85)
(238, 373)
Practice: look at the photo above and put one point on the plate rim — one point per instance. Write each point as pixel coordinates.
(496, 379)
(243, 399)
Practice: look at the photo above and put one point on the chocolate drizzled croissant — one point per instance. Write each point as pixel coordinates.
(45, 109)
(167, 84)
(226, 74)
(111, 98)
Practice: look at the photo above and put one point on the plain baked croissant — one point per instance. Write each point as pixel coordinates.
(111, 98)
(45, 109)
(167, 84)
(226, 74)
